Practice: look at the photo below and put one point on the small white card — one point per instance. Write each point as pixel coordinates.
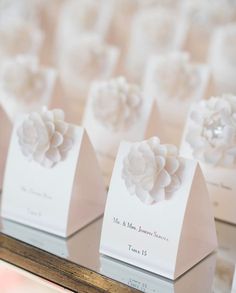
(25, 86)
(5, 135)
(175, 82)
(207, 138)
(199, 278)
(158, 210)
(52, 179)
(117, 110)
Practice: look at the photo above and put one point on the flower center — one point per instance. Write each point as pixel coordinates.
(213, 127)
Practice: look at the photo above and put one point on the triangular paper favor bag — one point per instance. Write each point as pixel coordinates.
(5, 134)
(165, 232)
(198, 236)
(60, 199)
(106, 141)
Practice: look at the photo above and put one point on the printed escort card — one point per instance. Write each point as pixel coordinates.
(158, 210)
(5, 135)
(155, 30)
(210, 137)
(52, 179)
(25, 85)
(199, 278)
(118, 110)
(175, 82)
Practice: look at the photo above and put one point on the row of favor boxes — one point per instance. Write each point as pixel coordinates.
(158, 214)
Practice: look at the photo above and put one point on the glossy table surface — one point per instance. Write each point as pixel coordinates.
(215, 273)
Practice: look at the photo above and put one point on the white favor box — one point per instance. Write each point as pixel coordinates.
(106, 141)
(5, 134)
(59, 200)
(35, 84)
(220, 179)
(163, 82)
(222, 59)
(154, 31)
(166, 238)
(221, 186)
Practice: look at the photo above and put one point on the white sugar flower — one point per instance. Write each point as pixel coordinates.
(150, 170)
(45, 137)
(22, 78)
(213, 132)
(175, 77)
(18, 37)
(116, 103)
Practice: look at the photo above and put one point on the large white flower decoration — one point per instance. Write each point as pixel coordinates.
(22, 78)
(213, 132)
(175, 77)
(150, 170)
(45, 137)
(116, 103)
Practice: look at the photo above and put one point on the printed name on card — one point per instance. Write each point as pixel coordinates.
(158, 210)
(210, 138)
(52, 180)
(118, 110)
(5, 135)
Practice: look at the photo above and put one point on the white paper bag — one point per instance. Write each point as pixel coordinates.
(175, 82)
(118, 110)
(207, 139)
(155, 30)
(166, 229)
(59, 189)
(25, 85)
(5, 134)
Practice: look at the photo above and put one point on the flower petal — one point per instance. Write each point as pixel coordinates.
(57, 139)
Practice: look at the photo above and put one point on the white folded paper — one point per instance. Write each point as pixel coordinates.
(233, 290)
(199, 278)
(204, 17)
(86, 60)
(52, 180)
(18, 36)
(5, 135)
(222, 59)
(175, 82)
(158, 210)
(25, 86)
(210, 137)
(118, 110)
(85, 16)
(154, 31)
